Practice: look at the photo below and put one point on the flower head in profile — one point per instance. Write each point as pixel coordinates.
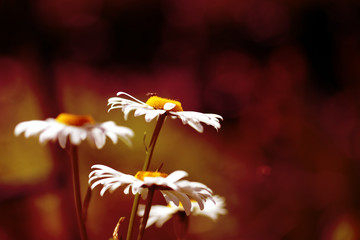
(156, 106)
(75, 128)
(172, 188)
(159, 214)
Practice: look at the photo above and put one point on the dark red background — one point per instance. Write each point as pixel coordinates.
(283, 74)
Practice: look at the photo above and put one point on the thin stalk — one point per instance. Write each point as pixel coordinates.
(86, 203)
(132, 216)
(181, 225)
(76, 188)
(154, 137)
(146, 213)
(148, 157)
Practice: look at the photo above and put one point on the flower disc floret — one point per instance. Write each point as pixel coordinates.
(74, 129)
(143, 174)
(159, 103)
(156, 106)
(74, 120)
(171, 186)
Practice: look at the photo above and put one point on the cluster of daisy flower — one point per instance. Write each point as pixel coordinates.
(182, 196)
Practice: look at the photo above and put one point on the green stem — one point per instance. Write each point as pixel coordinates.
(146, 213)
(148, 157)
(132, 216)
(77, 194)
(154, 137)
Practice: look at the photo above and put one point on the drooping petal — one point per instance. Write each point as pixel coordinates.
(113, 137)
(176, 176)
(97, 137)
(141, 111)
(75, 136)
(51, 133)
(184, 199)
(150, 115)
(63, 136)
(170, 197)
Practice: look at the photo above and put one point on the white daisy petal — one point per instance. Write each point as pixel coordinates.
(172, 189)
(156, 106)
(159, 214)
(20, 128)
(75, 136)
(144, 192)
(141, 111)
(36, 128)
(62, 137)
(196, 125)
(114, 132)
(176, 176)
(113, 137)
(169, 106)
(50, 133)
(127, 189)
(24, 126)
(160, 222)
(184, 199)
(75, 128)
(150, 115)
(126, 111)
(98, 137)
(213, 210)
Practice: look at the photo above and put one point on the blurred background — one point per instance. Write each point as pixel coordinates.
(283, 74)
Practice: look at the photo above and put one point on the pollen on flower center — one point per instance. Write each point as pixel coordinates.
(143, 174)
(74, 120)
(181, 205)
(158, 103)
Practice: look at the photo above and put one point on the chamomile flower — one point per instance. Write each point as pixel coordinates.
(156, 106)
(159, 214)
(76, 128)
(172, 188)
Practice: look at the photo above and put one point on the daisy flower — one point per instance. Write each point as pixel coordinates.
(156, 106)
(159, 214)
(76, 128)
(172, 188)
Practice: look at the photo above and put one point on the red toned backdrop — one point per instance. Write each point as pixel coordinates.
(283, 74)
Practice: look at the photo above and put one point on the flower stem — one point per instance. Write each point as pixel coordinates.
(146, 213)
(181, 225)
(154, 137)
(77, 194)
(132, 216)
(148, 157)
(86, 203)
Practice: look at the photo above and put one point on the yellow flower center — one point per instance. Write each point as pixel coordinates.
(158, 103)
(74, 120)
(143, 174)
(181, 205)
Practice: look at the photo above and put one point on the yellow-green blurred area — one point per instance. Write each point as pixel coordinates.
(283, 74)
